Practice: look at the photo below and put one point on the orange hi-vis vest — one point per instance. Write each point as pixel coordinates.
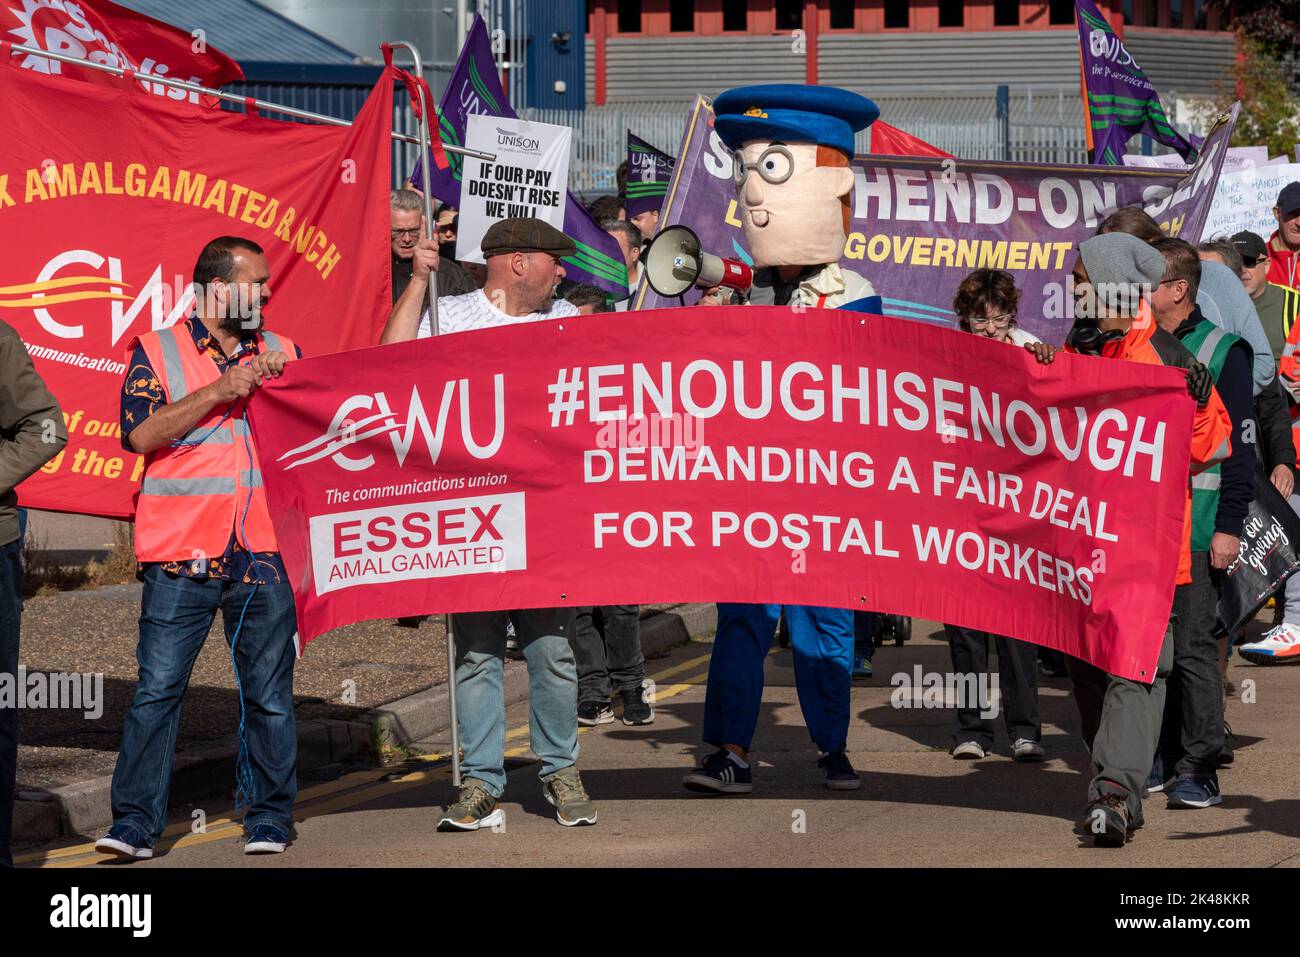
(193, 495)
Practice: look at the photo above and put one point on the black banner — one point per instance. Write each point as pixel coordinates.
(1270, 554)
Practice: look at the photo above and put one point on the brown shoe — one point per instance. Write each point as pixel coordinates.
(1106, 819)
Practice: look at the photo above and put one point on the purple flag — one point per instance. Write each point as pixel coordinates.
(648, 172)
(920, 224)
(475, 88)
(1119, 102)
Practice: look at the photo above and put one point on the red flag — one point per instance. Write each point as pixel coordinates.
(104, 32)
(103, 214)
(889, 140)
(417, 88)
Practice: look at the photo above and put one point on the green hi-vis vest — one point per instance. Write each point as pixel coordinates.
(1210, 345)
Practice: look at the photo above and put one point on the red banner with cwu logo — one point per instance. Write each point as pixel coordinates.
(107, 194)
(734, 454)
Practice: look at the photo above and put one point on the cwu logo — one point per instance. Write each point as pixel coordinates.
(360, 418)
(59, 291)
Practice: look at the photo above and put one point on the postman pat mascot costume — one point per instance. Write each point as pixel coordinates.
(793, 146)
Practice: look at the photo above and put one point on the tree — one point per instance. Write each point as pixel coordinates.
(1270, 112)
(1273, 24)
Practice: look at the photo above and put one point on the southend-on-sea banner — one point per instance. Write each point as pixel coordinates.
(107, 195)
(734, 454)
(921, 224)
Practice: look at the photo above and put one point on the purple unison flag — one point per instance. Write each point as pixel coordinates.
(920, 224)
(648, 173)
(1119, 101)
(475, 88)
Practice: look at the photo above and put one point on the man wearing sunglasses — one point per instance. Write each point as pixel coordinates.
(1277, 305)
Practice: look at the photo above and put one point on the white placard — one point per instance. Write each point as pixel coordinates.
(530, 177)
(1245, 200)
(1237, 158)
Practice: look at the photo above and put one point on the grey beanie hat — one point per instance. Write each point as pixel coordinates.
(1116, 259)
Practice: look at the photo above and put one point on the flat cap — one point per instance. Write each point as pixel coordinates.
(526, 235)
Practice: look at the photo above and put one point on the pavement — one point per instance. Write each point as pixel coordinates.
(74, 539)
(361, 693)
(916, 807)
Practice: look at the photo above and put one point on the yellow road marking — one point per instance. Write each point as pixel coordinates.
(226, 827)
(324, 789)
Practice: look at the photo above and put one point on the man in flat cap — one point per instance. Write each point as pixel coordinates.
(1121, 718)
(792, 149)
(523, 268)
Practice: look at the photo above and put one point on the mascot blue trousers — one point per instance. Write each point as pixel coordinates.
(821, 640)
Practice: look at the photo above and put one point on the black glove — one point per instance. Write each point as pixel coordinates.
(1199, 383)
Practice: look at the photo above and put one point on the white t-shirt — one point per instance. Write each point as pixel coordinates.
(624, 304)
(474, 310)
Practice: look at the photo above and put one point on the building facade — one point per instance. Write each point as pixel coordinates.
(644, 51)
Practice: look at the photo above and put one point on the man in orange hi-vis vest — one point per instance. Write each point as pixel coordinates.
(204, 542)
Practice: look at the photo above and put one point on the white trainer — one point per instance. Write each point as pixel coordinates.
(1280, 644)
(1025, 750)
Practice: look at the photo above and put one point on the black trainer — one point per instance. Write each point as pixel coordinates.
(840, 775)
(636, 710)
(719, 775)
(591, 713)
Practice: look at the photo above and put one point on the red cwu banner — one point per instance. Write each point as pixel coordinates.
(107, 194)
(734, 454)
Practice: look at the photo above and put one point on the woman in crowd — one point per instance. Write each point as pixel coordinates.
(985, 305)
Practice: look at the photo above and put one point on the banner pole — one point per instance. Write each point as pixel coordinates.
(233, 97)
(430, 232)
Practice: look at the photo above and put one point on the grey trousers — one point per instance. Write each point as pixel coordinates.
(1121, 726)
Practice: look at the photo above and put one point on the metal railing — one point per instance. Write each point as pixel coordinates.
(1043, 126)
(600, 139)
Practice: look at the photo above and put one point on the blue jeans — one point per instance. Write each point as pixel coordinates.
(543, 637)
(175, 616)
(10, 611)
(822, 642)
